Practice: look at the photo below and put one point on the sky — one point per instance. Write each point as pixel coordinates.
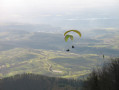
(40, 11)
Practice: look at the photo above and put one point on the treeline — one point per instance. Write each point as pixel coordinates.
(105, 78)
(38, 82)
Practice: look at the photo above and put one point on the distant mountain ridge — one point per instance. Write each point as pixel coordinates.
(30, 27)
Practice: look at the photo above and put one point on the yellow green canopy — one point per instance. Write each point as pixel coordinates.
(73, 31)
(67, 37)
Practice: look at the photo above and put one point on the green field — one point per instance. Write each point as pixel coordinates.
(46, 62)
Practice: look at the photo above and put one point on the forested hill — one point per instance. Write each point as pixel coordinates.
(38, 82)
(104, 78)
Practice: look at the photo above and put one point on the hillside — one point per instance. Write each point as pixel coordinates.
(46, 62)
(104, 78)
(38, 82)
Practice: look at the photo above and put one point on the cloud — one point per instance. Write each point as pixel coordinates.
(30, 10)
(59, 15)
(89, 19)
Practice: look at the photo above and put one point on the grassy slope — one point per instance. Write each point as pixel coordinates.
(63, 64)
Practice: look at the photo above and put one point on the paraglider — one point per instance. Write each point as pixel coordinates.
(103, 56)
(72, 46)
(67, 50)
(67, 36)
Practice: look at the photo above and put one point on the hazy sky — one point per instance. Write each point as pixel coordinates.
(30, 10)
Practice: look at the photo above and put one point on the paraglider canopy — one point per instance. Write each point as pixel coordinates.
(67, 50)
(76, 31)
(67, 37)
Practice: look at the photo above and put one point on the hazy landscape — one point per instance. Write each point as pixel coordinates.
(34, 52)
(30, 50)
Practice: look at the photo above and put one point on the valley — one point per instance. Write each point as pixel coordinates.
(45, 53)
(45, 62)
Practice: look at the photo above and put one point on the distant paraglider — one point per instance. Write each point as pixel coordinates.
(67, 36)
(72, 46)
(67, 50)
(103, 56)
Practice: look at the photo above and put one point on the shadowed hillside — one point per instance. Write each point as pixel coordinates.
(38, 82)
